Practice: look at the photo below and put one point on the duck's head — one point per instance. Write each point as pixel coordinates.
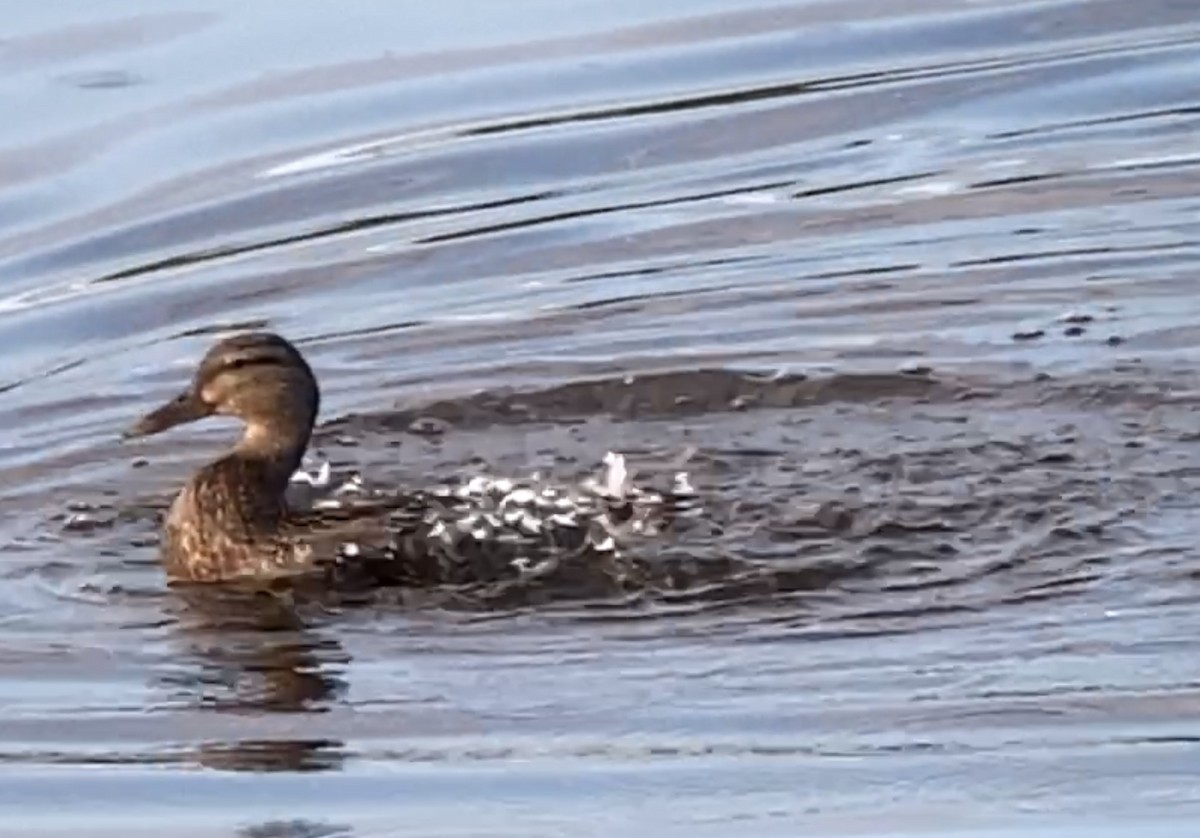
(260, 378)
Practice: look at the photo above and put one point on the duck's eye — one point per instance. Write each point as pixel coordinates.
(249, 361)
(241, 363)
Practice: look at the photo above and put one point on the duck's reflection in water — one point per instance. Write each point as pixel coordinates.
(295, 829)
(272, 755)
(254, 652)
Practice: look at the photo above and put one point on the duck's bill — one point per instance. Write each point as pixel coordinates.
(186, 407)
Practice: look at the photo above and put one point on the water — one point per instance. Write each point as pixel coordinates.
(931, 264)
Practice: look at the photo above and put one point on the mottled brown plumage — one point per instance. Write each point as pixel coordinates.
(231, 520)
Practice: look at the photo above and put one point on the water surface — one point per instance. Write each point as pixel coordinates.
(929, 264)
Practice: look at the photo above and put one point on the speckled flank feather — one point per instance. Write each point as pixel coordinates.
(231, 520)
(223, 525)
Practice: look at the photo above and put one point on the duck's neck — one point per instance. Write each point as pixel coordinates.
(277, 448)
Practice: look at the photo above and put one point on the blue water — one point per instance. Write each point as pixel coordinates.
(436, 200)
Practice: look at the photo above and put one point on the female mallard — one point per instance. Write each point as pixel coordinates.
(231, 520)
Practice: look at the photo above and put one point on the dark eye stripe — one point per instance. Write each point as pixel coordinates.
(253, 361)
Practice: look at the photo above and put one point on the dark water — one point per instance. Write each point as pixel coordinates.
(929, 264)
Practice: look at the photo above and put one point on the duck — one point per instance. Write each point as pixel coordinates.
(232, 520)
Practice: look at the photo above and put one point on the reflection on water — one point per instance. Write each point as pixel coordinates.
(272, 755)
(913, 285)
(296, 829)
(251, 654)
